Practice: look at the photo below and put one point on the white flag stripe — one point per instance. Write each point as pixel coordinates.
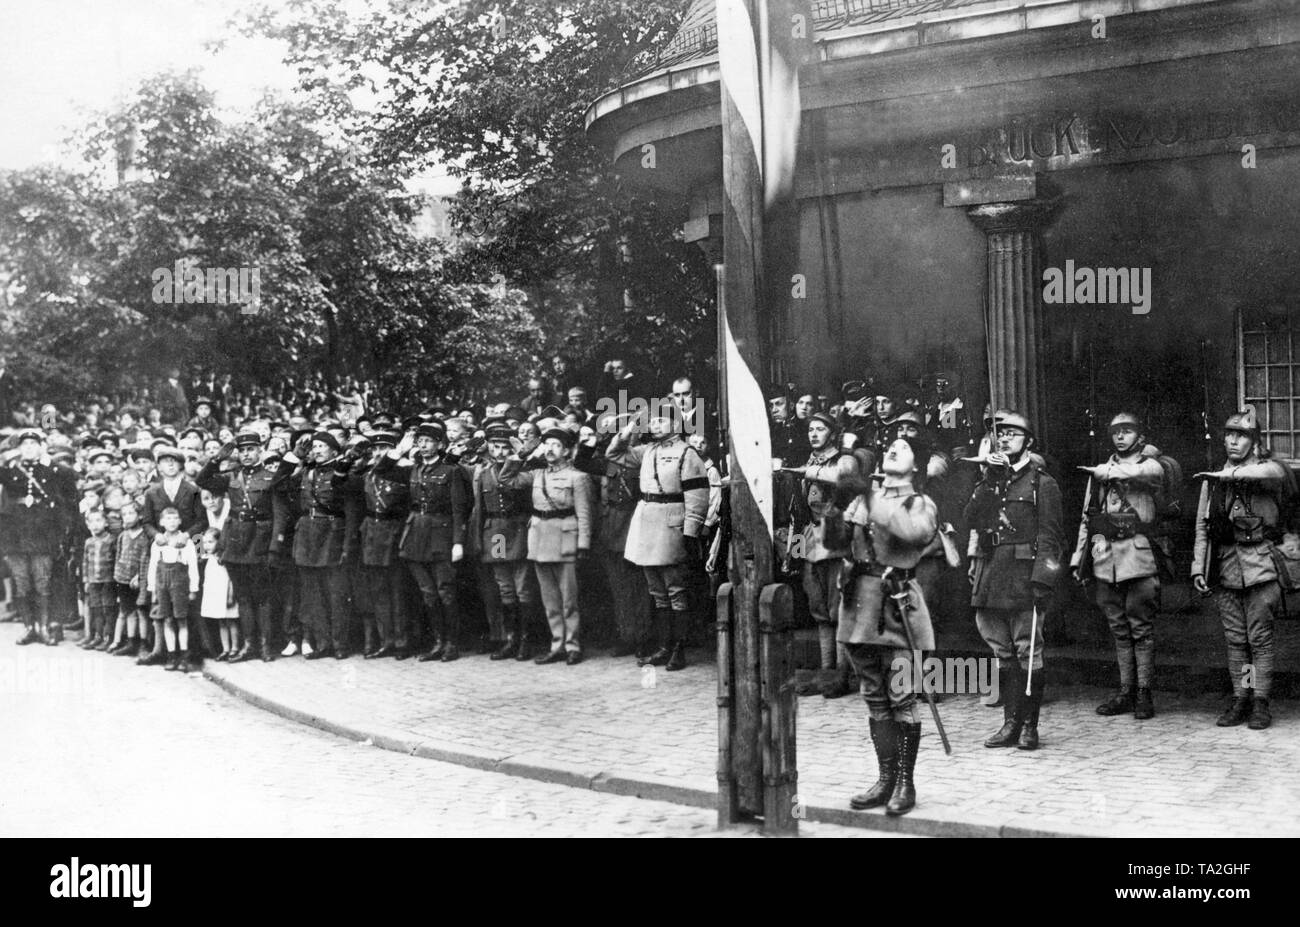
(738, 62)
(750, 441)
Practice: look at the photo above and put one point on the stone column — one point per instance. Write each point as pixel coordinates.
(1013, 305)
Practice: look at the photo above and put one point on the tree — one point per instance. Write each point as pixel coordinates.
(497, 91)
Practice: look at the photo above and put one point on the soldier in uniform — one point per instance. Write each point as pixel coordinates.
(318, 543)
(39, 502)
(824, 543)
(892, 524)
(668, 520)
(434, 538)
(1243, 510)
(1117, 547)
(1016, 548)
(559, 534)
(246, 538)
(499, 530)
(619, 493)
(382, 504)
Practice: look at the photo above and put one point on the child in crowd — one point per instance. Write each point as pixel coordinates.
(218, 603)
(97, 577)
(130, 571)
(174, 582)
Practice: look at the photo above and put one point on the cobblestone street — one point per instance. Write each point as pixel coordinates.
(97, 747)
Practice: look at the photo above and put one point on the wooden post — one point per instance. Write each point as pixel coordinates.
(780, 765)
(728, 811)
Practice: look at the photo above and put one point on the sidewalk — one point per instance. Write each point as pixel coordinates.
(611, 727)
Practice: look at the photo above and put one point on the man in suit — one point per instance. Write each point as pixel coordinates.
(173, 489)
(1016, 549)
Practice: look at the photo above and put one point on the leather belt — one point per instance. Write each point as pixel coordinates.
(249, 521)
(427, 509)
(321, 513)
(555, 513)
(389, 516)
(663, 497)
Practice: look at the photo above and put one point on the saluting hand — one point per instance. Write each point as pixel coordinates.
(457, 553)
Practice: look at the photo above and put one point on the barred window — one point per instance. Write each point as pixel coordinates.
(1268, 373)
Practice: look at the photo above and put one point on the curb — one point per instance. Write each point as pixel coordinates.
(611, 783)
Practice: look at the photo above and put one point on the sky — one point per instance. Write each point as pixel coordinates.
(64, 59)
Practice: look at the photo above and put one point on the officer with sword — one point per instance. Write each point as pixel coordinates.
(884, 623)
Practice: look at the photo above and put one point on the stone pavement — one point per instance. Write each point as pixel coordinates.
(97, 747)
(611, 727)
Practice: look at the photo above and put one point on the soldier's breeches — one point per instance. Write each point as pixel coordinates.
(888, 684)
(383, 587)
(31, 573)
(1007, 631)
(668, 586)
(627, 580)
(513, 581)
(559, 582)
(1247, 616)
(1130, 608)
(437, 582)
(325, 604)
(821, 583)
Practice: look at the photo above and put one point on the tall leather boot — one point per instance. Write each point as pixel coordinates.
(884, 737)
(904, 797)
(51, 634)
(1010, 687)
(265, 636)
(27, 613)
(527, 613)
(1029, 713)
(509, 620)
(435, 619)
(451, 633)
(677, 631)
(663, 631)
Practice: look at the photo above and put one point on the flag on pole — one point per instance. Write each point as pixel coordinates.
(760, 46)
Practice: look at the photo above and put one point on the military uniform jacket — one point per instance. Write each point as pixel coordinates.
(1026, 546)
(826, 534)
(674, 500)
(322, 528)
(37, 528)
(440, 506)
(562, 510)
(900, 523)
(1237, 563)
(499, 517)
(1123, 488)
(619, 494)
(254, 518)
(377, 507)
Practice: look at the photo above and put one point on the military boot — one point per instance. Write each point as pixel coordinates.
(904, 798)
(1031, 705)
(1010, 683)
(1260, 716)
(1143, 707)
(1236, 713)
(663, 631)
(1121, 703)
(884, 737)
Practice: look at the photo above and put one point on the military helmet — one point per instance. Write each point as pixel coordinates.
(1244, 421)
(1007, 418)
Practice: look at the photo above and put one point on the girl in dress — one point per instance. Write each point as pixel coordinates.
(218, 603)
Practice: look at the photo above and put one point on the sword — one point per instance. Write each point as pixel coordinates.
(901, 601)
(1033, 633)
